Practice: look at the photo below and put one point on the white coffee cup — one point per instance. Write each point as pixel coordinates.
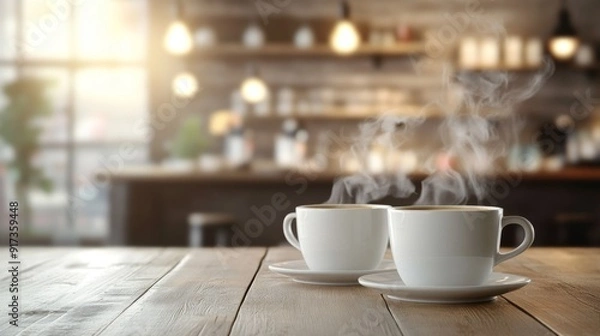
(437, 246)
(334, 237)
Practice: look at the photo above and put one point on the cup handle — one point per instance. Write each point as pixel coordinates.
(287, 230)
(527, 240)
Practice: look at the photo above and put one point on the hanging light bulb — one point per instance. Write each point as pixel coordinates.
(178, 39)
(564, 48)
(253, 88)
(564, 42)
(185, 85)
(344, 38)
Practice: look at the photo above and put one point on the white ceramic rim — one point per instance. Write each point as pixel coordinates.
(284, 267)
(514, 280)
(344, 207)
(445, 208)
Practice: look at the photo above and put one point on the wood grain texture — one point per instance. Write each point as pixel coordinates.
(492, 318)
(275, 305)
(153, 291)
(565, 290)
(87, 290)
(200, 296)
(34, 258)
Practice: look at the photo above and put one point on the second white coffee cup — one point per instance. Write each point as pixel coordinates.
(439, 246)
(336, 237)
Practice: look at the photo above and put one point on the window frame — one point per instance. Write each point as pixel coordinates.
(72, 65)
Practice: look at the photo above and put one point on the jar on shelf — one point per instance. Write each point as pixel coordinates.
(534, 52)
(254, 36)
(513, 52)
(304, 37)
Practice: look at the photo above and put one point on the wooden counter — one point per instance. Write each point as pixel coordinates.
(150, 205)
(161, 174)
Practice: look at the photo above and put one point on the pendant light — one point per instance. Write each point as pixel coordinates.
(345, 38)
(564, 41)
(178, 39)
(185, 85)
(253, 88)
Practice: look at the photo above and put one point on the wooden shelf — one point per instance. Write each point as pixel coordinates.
(593, 67)
(91, 143)
(343, 114)
(407, 111)
(499, 69)
(48, 62)
(288, 50)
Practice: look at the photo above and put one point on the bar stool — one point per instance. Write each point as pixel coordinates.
(210, 229)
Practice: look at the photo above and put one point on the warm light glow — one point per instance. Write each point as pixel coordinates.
(254, 90)
(563, 47)
(110, 30)
(220, 122)
(185, 85)
(178, 40)
(344, 38)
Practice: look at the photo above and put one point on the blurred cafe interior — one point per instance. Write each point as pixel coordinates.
(203, 123)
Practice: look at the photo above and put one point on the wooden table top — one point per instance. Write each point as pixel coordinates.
(180, 291)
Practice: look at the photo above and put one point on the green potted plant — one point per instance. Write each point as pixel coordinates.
(189, 142)
(20, 129)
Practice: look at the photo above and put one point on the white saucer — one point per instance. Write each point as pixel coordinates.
(389, 283)
(299, 272)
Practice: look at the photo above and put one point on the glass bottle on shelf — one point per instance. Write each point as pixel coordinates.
(489, 53)
(238, 145)
(585, 56)
(285, 144)
(301, 146)
(205, 37)
(254, 36)
(513, 52)
(237, 103)
(534, 52)
(469, 53)
(304, 37)
(285, 101)
(263, 108)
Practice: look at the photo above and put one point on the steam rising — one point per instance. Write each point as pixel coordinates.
(476, 129)
(364, 187)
